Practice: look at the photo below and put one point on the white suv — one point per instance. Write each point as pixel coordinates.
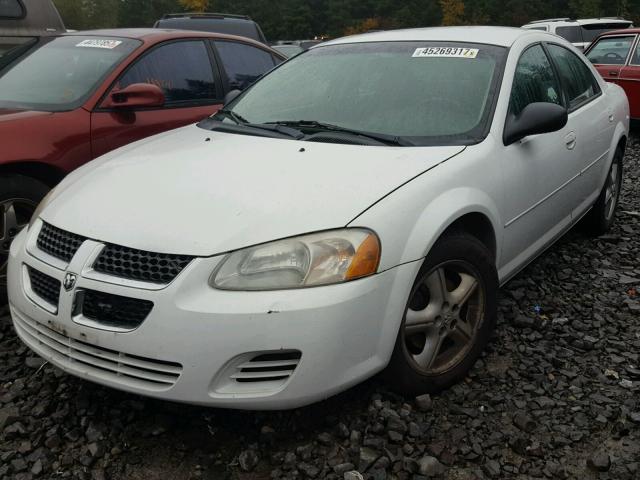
(579, 32)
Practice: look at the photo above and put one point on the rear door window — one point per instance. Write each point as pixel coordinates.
(11, 9)
(611, 50)
(243, 63)
(182, 70)
(635, 58)
(579, 83)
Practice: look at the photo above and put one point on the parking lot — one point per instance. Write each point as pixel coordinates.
(555, 396)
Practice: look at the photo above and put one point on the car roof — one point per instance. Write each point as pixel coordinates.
(627, 31)
(578, 21)
(155, 35)
(222, 24)
(500, 36)
(40, 18)
(584, 21)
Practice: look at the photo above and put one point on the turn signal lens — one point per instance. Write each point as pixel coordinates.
(365, 261)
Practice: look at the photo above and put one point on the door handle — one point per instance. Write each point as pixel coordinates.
(613, 73)
(571, 139)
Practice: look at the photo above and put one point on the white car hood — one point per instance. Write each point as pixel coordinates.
(196, 192)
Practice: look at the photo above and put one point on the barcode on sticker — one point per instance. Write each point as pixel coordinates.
(95, 43)
(446, 52)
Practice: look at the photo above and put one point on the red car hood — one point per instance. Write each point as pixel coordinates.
(11, 115)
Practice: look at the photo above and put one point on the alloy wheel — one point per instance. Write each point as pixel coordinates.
(445, 312)
(15, 214)
(612, 190)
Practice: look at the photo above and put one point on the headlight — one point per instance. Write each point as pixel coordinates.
(317, 259)
(41, 206)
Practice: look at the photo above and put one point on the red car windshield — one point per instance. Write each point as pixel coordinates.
(63, 73)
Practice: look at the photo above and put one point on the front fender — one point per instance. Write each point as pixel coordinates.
(425, 207)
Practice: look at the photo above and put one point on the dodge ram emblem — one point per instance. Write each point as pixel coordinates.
(69, 281)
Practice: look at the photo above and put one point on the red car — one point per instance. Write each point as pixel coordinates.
(80, 95)
(616, 55)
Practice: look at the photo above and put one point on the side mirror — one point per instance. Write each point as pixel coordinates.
(135, 95)
(535, 119)
(230, 96)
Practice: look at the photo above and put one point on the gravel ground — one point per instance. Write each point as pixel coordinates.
(556, 395)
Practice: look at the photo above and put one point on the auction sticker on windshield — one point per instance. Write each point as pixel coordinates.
(446, 52)
(95, 43)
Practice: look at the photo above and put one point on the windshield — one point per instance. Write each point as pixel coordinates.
(62, 73)
(429, 92)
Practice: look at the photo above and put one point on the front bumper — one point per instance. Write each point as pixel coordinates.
(197, 342)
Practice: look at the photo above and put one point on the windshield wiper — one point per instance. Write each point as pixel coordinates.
(246, 128)
(381, 137)
(239, 119)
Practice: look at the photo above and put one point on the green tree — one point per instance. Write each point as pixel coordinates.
(452, 12)
(586, 8)
(195, 5)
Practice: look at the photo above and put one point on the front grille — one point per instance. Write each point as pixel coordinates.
(87, 360)
(44, 286)
(114, 310)
(268, 367)
(59, 243)
(140, 265)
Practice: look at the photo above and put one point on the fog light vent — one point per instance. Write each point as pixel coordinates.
(267, 367)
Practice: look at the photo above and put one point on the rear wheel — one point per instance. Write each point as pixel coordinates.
(448, 319)
(601, 217)
(19, 197)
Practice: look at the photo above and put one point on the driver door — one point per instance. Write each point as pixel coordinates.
(538, 170)
(188, 77)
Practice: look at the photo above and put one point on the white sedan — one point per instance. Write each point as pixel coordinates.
(355, 211)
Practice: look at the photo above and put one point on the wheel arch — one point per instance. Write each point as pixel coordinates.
(43, 172)
(477, 225)
(622, 142)
(463, 210)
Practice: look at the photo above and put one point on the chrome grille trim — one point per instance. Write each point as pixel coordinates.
(141, 265)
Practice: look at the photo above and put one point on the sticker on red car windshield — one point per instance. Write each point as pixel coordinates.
(446, 52)
(95, 43)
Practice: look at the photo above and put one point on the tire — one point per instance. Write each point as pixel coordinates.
(19, 197)
(602, 215)
(447, 319)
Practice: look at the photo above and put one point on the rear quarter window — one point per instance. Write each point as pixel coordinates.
(11, 9)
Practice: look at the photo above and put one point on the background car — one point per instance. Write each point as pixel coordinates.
(616, 56)
(22, 24)
(579, 32)
(299, 242)
(288, 49)
(293, 47)
(240, 25)
(81, 95)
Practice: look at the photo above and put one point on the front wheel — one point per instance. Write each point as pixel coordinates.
(19, 197)
(448, 319)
